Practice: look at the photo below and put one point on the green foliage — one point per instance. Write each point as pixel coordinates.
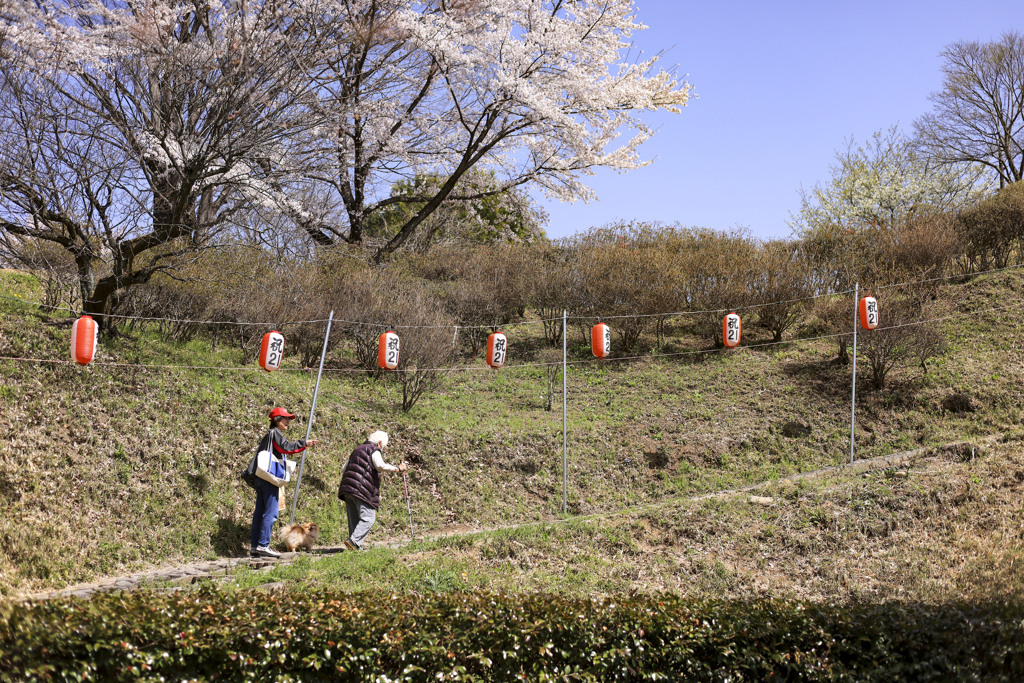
(324, 635)
(479, 212)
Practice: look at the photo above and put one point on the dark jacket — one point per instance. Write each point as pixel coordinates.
(361, 479)
(282, 446)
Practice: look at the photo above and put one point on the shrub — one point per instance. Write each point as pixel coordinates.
(552, 360)
(370, 301)
(718, 267)
(923, 247)
(780, 280)
(625, 273)
(428, 353)
(235, 285)
(322, 284)
(836, 315)
(993, 228)
(321, 636)
(181, 302)
(54, 265)
(903, 336)
(549, 273)
(482, 287)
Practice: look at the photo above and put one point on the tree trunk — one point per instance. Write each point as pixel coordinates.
(842, 355)
(86, 275)
(95, 304)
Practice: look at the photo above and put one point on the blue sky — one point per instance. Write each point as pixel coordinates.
(781, 86)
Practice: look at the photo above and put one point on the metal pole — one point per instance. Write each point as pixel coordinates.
(408, 506)
(565, 421)
(853, 399)
(309, 424)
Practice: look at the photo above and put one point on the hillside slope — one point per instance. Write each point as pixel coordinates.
(113, 468)
(942, 528)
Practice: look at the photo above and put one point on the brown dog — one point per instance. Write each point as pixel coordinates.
(300, 536)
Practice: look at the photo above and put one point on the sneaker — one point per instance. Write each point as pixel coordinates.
(266, 551)
(254, 552)
(349, 545)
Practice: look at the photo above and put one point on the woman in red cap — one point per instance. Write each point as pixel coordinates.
(266, 493)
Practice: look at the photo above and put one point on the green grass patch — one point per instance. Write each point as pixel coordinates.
(153, 454)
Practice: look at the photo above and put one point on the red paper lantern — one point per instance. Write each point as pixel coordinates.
(497, 349)
(387, 350)
(868, 313)
(601, 340)
(272, 351)
(731, 325)
(83, 340)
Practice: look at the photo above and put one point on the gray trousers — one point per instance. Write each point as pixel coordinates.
(360, 519)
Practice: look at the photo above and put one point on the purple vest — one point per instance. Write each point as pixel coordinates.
(361, 478)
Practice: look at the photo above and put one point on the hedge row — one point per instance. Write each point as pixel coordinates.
(222, 635)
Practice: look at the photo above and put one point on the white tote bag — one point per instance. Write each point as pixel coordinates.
(267, 463)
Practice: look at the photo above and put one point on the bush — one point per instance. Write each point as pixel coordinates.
(240, 284)
(902, 336)
(627, 274)
(549, 273)
(836, 315)
(163, 297)
(781, 279)
(925, 246)
(482, 287)
(324, 636)
(993, 229)
(368, 302)
(54, 265)
(719, 267)
(920, 250)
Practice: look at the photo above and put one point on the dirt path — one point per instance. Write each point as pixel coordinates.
(177, 578)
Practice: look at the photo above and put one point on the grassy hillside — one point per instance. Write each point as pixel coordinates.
(944, 529)
(110, 469)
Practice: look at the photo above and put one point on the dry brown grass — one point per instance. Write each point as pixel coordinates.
(945, 528)
(110, 470)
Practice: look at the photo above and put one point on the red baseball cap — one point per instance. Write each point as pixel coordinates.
(281, 412)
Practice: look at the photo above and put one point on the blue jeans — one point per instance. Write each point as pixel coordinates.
(265, 514)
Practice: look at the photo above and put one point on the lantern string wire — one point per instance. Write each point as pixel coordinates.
(518, 365)
(595, 316)
(767, 344)
(835, 293)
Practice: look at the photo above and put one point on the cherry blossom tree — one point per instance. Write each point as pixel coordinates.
(202, 111)
(534, 91)
(60, 186)
(136, 129)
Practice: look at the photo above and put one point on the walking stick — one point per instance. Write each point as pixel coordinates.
(408, 505)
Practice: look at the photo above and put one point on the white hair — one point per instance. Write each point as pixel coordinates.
(379, 438)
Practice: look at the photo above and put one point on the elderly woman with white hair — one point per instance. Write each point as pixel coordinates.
(360, 487)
